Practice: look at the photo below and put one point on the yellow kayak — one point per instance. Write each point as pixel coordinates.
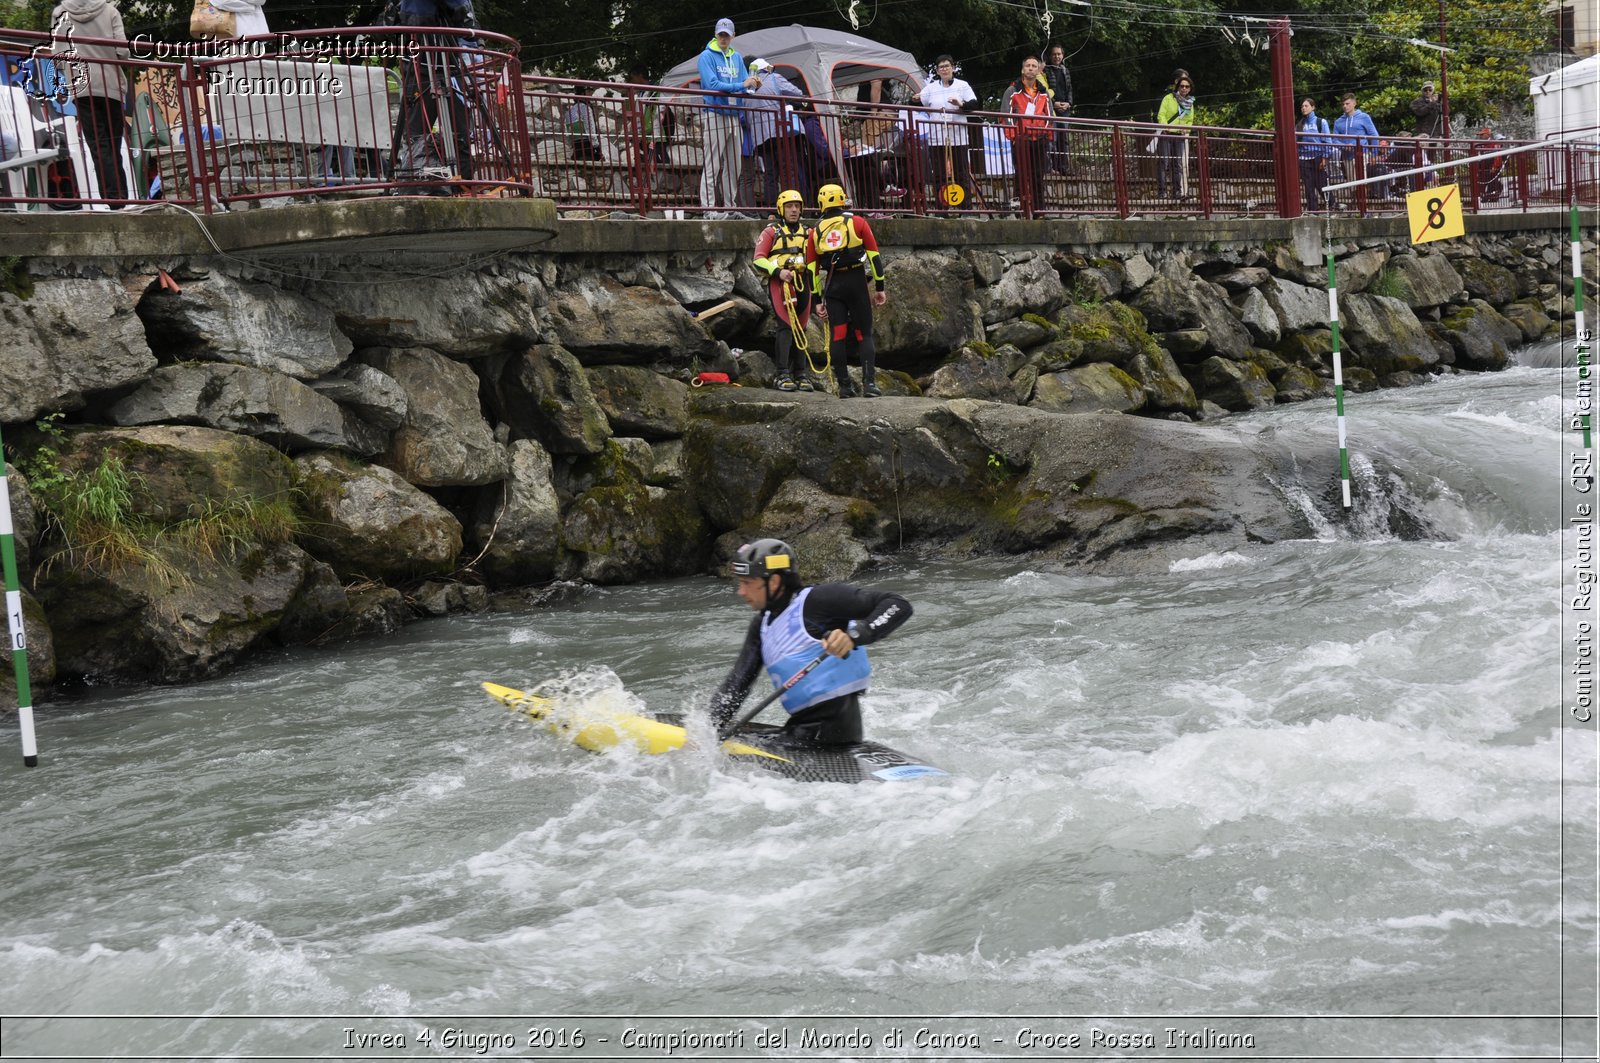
(765, 747)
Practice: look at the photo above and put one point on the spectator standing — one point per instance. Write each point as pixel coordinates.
(1060, 81)
(1172, 160)
(428, 98)
(951, 100)
(1429, 112)
(776, 134)
(725, 79)
(1356, 136)
(583, 136)
(1028, 100)
(1314, 150)
(98, 88)
(249, 20)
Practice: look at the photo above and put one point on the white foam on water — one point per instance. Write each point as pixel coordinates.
(1206, 562)
(1342, 766)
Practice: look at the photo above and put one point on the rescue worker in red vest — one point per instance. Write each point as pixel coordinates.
(792, 626)
(841, 254)
(781, 257)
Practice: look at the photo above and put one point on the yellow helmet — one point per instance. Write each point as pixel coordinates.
(788, 196)
(830, 196)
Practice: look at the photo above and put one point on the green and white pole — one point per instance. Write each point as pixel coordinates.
(1577, 274)
(1338, 378)
(19, 640)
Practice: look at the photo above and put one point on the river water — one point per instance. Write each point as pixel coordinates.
(1317, 798)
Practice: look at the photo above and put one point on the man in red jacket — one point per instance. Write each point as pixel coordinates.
(1028, 99)
(842, 254)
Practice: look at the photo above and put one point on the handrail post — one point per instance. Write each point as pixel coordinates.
(1202, 161)
(1119, 172)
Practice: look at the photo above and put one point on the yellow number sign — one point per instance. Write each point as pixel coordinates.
(1435, 213)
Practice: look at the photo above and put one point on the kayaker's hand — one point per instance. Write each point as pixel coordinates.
(839, 643)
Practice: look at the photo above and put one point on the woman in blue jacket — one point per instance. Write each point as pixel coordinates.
(1314, 151)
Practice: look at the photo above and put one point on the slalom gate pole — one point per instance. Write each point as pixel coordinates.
(19, 640)
(1338, 375)
(1584, 344)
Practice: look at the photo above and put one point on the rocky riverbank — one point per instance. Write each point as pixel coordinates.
(223, 455)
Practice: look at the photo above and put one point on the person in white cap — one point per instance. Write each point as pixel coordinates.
(724, 78)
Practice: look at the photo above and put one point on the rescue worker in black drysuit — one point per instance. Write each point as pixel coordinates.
(780, 258)
(841, 253)
(793, 624)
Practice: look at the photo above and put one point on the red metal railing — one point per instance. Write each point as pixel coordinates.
(368, 111)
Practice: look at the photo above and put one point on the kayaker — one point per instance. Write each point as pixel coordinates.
(793, 624)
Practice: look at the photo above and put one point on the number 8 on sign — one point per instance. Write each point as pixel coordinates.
(1435, 214)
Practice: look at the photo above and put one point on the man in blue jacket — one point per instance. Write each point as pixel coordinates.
(724, 78)
(1354, 130)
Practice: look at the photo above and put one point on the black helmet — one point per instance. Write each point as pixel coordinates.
(765, 557)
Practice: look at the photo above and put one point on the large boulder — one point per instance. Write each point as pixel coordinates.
(369, 523)
(1030, 285)
(179, 472)
(1089, 389)
(1296, 306)
(639, 401)
(1422, 281)
(1480, 335)
(1355, 273)
(460, 313)
(931, 309)
(140, 622)
(1113, 333)
(444, 440)
(1258, 317)
(518, 528)
(73, 337)
(1172, 306)
(221, 319)
(701, 278)
(832, 535)
(972, 374)
(605, 322)
(983, 475)
(1233, 385)
(1485, 280)
(1528, 316)
(629, 531)
(1384, 335)
(1165, 386)
(236, 398)
(543, 393)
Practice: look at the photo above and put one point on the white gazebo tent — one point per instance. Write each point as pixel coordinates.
(1567, 100)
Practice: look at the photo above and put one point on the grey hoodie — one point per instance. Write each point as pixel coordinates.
(72, 22)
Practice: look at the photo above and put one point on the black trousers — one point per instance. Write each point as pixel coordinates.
(850, 325)
(1313, 176)
(783, 342)
(100, 119)
(1028, 155)
(836, 722)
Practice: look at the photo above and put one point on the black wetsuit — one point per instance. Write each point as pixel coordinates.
(829, 606)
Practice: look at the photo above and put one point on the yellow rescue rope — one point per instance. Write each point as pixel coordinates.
(802, 341)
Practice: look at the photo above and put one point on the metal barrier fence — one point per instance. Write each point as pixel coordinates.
(642, 149)
(428, 110)
(108, 124)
